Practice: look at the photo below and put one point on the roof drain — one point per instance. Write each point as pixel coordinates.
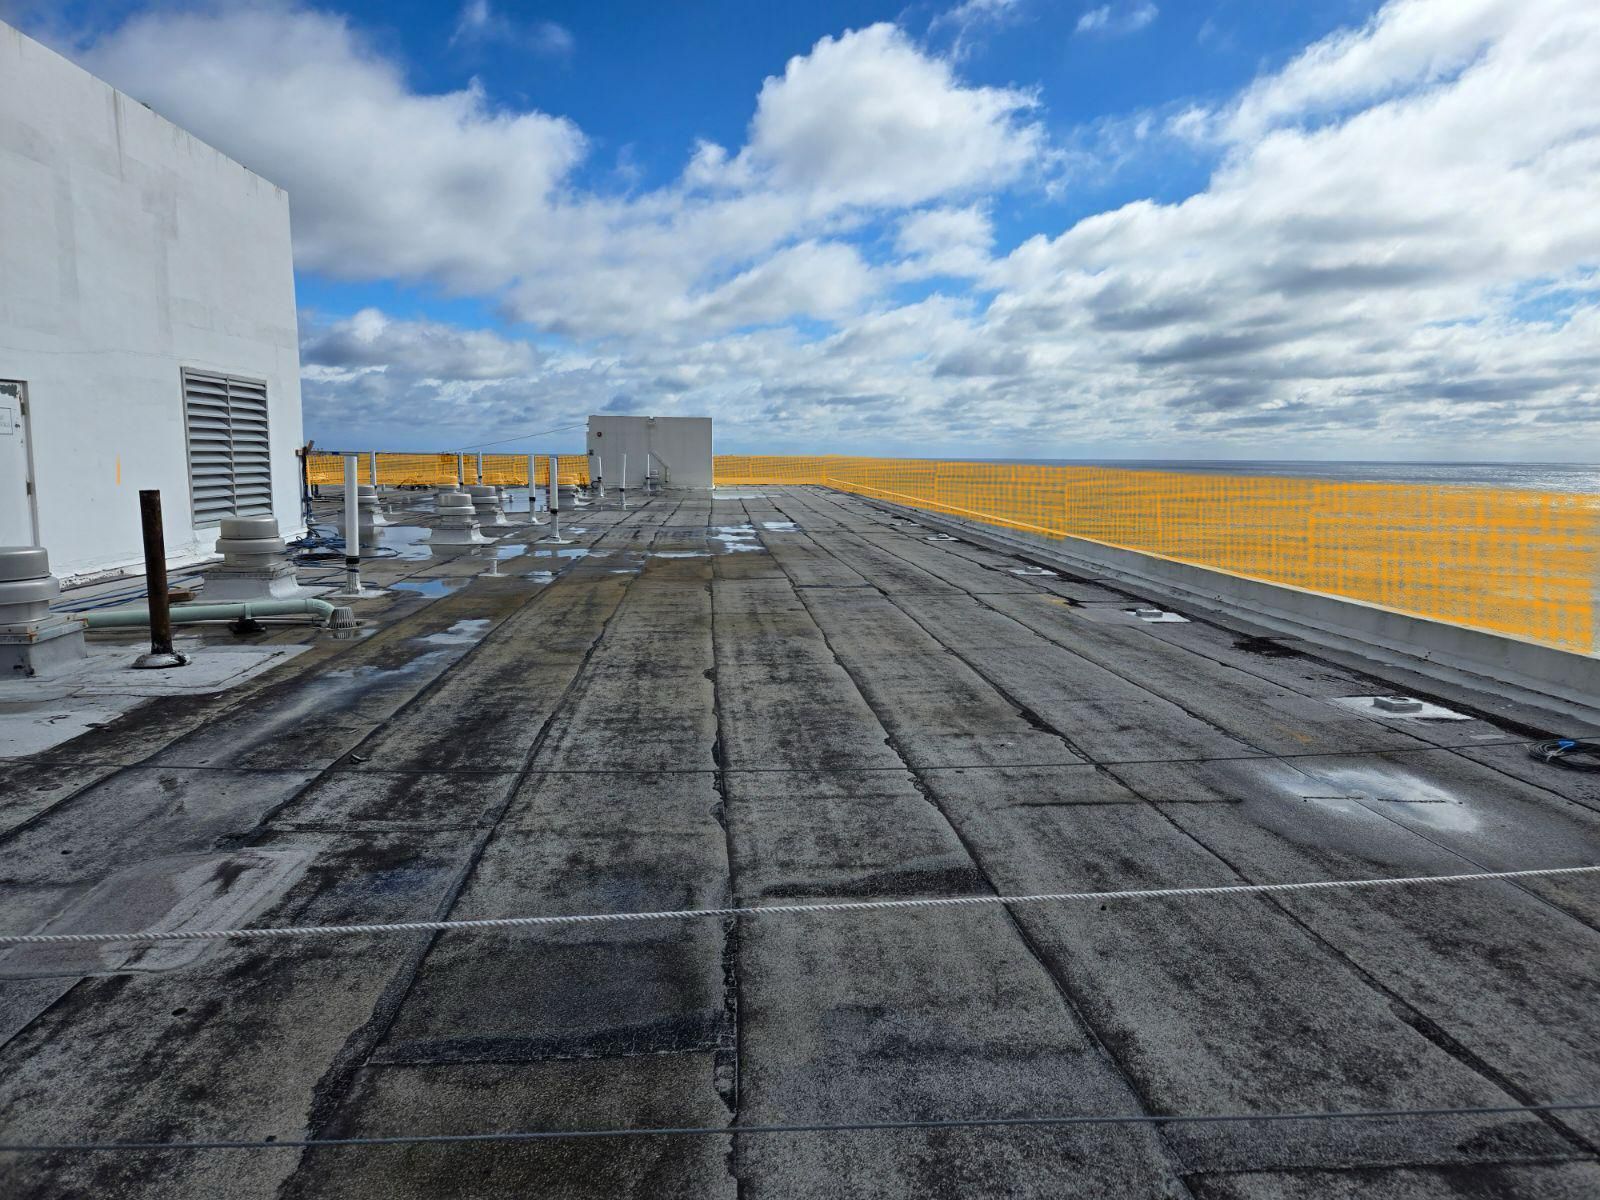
(1397, 704)
(1153, 615)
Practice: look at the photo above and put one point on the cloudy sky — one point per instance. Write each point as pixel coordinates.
(1018, 228)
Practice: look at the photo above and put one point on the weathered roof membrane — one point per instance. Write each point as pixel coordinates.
(777, 698)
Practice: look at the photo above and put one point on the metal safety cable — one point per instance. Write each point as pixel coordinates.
(771, 910)
(1065, 1119)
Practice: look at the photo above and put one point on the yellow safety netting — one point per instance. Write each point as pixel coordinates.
(753, 470)
(394, 469)
(571, 469)
(1510, 560)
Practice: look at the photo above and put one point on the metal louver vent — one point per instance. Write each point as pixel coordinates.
(230, 463)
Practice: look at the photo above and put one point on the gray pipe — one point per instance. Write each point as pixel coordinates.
(188, 614)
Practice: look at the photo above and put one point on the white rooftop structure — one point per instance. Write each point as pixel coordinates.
(147, 316)
(675, 451)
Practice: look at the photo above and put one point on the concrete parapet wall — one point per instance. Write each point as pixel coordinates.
(1545, 676)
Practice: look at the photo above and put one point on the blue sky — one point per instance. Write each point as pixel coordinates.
(995, 227)
(651, 80)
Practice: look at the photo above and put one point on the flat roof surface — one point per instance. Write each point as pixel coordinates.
(790, 697)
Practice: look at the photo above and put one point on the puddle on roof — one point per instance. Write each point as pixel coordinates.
(357, 679)
(540, 577)
(732, 539)
(680, 554)
(781, 526)
(321, 695)
(1392, 791)
(192, 891)
(462, 633)
(407, 541)
(514, 550)
(433, 589)
(569, 552)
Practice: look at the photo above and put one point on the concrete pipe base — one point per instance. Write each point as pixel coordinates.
(33, 640)
(443, 536)
(251, 585)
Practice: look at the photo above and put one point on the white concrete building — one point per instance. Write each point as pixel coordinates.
(147, 325)
(676, 450)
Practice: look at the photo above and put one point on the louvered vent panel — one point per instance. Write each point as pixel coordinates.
(230, 461)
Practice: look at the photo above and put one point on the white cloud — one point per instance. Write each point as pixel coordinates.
(814, 279)
(1094, 19)
(866, 118)
(384, 181)
(970, 20)
(945, 241)
(370, 340)
(479, 22)
(476, 20)
(1405, 45)
(1116, 20)
(549, 37)
(1397, 250)
(1351, 264)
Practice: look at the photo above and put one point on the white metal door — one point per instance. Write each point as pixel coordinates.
(19, 525)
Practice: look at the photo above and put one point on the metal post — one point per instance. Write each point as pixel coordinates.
(533, 487)
(372, 468)
(600, 476)
(554, 535)
(155, 585)
(624, 479)
(461, 471)
(480, 468)
(352, 531)
(647, 473)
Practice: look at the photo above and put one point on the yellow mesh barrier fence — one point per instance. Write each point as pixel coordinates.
(502, 470)
(394, 470)
(571, 469)
(1513, 561)
(326, 469)
(753, 470)
(410, 470)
